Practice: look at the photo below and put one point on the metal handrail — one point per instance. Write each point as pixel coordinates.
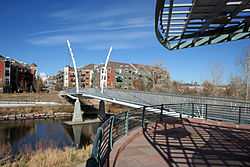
(121, 123)
(102, 145)
(118, 125)
(235, 114)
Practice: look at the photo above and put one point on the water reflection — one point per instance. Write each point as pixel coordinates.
(22, 136)
(82, 135)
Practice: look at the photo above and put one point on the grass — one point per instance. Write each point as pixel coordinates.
(52, 157)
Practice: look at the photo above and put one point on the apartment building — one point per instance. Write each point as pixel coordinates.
(17, 76)
(119, 75)
(131, 76)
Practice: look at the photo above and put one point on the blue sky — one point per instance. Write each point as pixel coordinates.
(36, 31)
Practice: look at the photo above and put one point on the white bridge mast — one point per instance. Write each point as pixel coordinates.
(103, 73)
(74, 64)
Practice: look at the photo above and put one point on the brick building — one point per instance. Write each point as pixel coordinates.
(119, 75)
(69, 77)
(59, 80)
(66, 78)
(86, 75)
(16, 76)
(2, 72)
(131, 76)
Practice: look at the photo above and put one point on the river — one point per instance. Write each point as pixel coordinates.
(28, 135)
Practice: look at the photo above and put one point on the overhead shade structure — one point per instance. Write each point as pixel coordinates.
(188, 23)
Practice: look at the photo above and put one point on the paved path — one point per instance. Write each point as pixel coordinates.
(140, 153)
(184, 143)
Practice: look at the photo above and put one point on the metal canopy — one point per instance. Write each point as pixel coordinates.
(188, 23)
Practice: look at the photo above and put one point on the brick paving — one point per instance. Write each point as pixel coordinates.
(187, 143)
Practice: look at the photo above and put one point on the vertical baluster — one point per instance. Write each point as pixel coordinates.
(239, 116)
(192, 110)
(206, 111)
(143, 115)
(126, 123)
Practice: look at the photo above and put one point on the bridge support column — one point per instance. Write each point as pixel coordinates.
(77, 131)
(77, 115)
(102, 114)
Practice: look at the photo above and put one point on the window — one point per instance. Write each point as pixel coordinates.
(109, 69)
(7, 81)
(119, 79)
(7, 73)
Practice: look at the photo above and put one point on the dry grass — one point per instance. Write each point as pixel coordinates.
(5, 150)
(52, 157)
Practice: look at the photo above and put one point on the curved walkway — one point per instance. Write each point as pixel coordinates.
(173, 142)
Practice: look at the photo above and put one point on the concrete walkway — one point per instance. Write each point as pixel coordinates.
(172, 142)
(140, 153)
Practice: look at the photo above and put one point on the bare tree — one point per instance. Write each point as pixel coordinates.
(217, 73)
(244, 63)
(247, 71)
(208, 88)
(236, 87)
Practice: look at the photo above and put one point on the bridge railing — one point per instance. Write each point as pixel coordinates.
(167, 97)
(109, 132)
(120, 124)
(102, 145)
(235, 114)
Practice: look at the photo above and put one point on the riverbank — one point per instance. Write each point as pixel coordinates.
(33, 97)
(51, 157)
(34, 106)
(109, 107)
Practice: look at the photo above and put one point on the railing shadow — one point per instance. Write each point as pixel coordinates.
(184, 143)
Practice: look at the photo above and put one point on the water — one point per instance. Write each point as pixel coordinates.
(28, 135)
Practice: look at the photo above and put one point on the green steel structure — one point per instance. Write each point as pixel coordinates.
(188, 23)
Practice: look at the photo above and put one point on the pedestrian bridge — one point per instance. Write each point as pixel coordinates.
(137, 99)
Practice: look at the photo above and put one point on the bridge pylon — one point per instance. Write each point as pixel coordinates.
(77, 115)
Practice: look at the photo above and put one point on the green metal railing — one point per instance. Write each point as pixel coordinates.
(120, 124)
(235, 114)
(109, 132)
(102, 145)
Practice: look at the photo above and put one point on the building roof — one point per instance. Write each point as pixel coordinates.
(89, 67)
(2, 57)
(201, 22)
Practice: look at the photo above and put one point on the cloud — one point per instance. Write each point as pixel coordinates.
(110, 37)
(80, 16)
(52, 40)
(106, 25)
(119, 27)
(108, 19)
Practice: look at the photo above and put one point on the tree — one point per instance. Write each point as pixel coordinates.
(208, 88)
(138, 84)
(176, 87)
(244, 63)
(237, 87)
(247, 71)
(217, 74)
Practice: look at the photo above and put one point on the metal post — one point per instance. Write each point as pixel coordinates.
(192, 110)
(182, 108)
(161, 112)
(143, 115)
(126, 123)
(111, 132)
(239, 116)
(206, 112)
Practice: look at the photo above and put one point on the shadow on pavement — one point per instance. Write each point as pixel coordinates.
(182, 143)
